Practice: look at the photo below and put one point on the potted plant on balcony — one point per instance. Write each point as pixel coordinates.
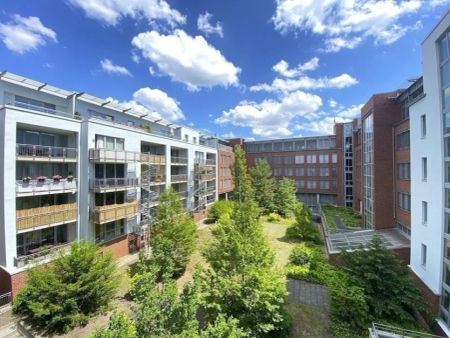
(69, 177)
(26, 179)
(41, 178)
(56, 178)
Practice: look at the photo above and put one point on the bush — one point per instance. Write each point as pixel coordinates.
(274, 217)
(119, 326)
(303, 229)
(220, 209)
(67, 292)
(301, 255)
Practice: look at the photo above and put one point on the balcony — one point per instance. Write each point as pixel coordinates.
(210, 199)
(38, 153)
(109, 213)
(153, 159)
(113, 184)
(45, 253)
(27, 219)
(183, 194)
(210, 161)
(46, 186)
(178, 178)
(176, 160)
(387, 331)
(207, 177)
(39, 108)
(113, 156)
(210, 190)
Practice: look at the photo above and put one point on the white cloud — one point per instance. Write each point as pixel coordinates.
(332, 103)
(272, 118)
(326, 124)
(155, 103)
(23, 34)
(435, 3)
(305, 82)
(187, 59)
(345, 24)
(204, 25)
(282, 67)
(110, 12)
(230, 134)
(111, 68)
(135, 57)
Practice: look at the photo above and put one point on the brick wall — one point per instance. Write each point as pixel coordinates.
(117, 247)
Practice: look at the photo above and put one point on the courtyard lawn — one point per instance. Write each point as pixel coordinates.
(348, 216)
(276, 232)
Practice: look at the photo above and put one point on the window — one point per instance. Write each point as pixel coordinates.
(324, 184)
(26, 102)
(423, 256)
(423, 125)
(288, 171)
(186, 137)
(311, 171)
(404, 171)
(300, 183)
(110, 143)
(324, 158)
(311, 158)
(424, 169)
(334, 158)
(299, 159)
(424, 212)
(403, 140)
(324, 171)
(311, 184)
(299, 171)
(131, 123)
(277, 160)
(288, 159)
(277, 171)
(404, 201)
(194, 140)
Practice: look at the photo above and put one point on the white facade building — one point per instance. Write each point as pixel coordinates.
(77, 167)
(430, 179)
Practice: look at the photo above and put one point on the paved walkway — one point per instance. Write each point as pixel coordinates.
(307, 293)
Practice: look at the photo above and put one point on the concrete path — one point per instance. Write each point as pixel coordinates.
(307, 293)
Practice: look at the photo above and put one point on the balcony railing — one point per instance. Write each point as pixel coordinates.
(45, 216)
(183, 194)
(153, 159)
(24, 187)
(102, 184)
(154, 179)
(44, 253)
(225, 147)
(178, 178)
(179, 160)
(210, 189)
(210, 161)
(45, 153)
(108, 213)
(387, 331)
(118, 156)
(210, 199)
(207, 177)
(39, 108)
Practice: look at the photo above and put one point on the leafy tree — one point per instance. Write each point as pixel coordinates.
(264, 186)
(223, 328)
(243, 190)
(173, 234)
(303, 229)
(119, 326)
(386, 282)
(285, 199)
(67, 292)
(221, 208)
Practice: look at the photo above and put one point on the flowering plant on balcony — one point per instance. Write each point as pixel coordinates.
(69, 178)
(57, 178)
(26, 179)
(41, 178)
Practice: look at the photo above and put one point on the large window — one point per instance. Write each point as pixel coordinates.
(368, 196)
(404, 171)
(403, 140)
(404, 201)
(311, 171)
(109, 231)
(108, 142)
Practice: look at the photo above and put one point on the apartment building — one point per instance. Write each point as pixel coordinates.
(78, 167)
(225, 156)
(314, 163)
(430, 175)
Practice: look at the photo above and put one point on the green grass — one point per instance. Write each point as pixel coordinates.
(308, 321)
(348, 216)
(276, 233)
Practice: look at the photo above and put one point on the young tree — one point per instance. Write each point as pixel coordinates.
(285, 199)
(303, 229)
(119, 326)
(67, 292)
(386, 282)
(223, 327)
(173, 234)
(264, 186)
(243, 190)
(221, 208)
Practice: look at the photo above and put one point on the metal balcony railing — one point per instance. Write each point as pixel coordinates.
(210, 161)
(153, 159)
(39, 108)
(27, 151)
(43, 253)
(178, 160)
(183, 194)
(102, 184)
(178, 178)
(114, 156)
(31, 187)
(50, 215)
(154, 179)
(5, 299)
(210, 189)
(387, 331)
(207, 177)
(109, 213)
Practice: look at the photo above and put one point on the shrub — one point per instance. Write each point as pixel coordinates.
(223, 328)
(67, 292)
(303, 229)
(301, 255)
(274, 217)
(220, 209)
(119, 326)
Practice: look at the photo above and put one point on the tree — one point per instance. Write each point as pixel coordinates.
(221, 208)
(119, 326)
(173, 234)
(303, 229)
(264, 186)
(67, 292)
(285, 199)
(223, 327)
(243, 190)
(386, 282)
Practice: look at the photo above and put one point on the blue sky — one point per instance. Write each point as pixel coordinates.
(252, 69)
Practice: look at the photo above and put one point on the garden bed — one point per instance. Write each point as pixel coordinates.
(349, 217)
